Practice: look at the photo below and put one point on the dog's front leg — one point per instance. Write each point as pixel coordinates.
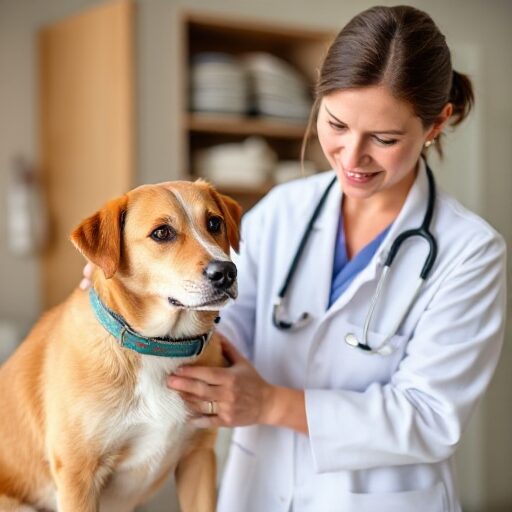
(75, 499)
(196, 474)
(76, 481)
(76, 495)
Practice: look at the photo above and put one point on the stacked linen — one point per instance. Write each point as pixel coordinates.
(240, 164)
(277, 89)
(218, 84)
(260, 84)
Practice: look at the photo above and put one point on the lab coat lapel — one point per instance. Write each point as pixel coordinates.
(322, 243)
(410, 217)
(310, 286)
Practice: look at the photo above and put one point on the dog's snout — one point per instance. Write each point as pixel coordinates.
(222, 274)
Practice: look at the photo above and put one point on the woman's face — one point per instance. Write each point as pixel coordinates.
(372, 140)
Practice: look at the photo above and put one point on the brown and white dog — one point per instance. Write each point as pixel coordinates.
(87, 424)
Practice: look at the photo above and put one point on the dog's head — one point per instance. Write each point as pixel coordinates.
(167, 245)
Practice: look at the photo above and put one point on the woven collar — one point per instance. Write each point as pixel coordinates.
(127, 338)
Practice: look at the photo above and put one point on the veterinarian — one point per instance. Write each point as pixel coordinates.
(345, 396)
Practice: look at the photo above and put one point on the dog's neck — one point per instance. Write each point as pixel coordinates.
(128, 338)
(149, 319)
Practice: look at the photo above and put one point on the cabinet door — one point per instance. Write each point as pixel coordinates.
(86, 135)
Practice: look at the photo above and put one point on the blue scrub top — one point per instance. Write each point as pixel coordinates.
(345, 270)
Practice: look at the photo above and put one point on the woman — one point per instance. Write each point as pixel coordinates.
(325, 426)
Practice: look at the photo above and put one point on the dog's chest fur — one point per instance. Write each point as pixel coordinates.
(152, 429)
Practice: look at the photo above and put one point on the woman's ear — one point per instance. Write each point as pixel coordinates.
(440, 121)
(99, 236)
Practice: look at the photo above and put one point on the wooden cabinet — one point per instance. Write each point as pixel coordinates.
(86, 130)
(301, 48)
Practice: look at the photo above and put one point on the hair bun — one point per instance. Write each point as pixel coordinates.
(461, 97)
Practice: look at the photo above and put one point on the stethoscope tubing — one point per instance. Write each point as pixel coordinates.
(278, 303)
(422, 232)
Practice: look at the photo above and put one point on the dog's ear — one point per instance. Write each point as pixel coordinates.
(98, 237)
(232, 213)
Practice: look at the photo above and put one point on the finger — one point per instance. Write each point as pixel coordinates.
(231, 352)
(201, 407)
(195, 388)
(87, 272)
(188, 397)
(212, 375)
(84, 284)
(207, 422)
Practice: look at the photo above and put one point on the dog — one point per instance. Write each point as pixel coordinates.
(87, 423)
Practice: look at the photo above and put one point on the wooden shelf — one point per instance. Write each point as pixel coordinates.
(301, 47)
(241, 125)
(237, 190)
(261, 32)
(247, 197)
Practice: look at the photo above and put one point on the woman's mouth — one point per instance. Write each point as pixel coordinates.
(358, 178)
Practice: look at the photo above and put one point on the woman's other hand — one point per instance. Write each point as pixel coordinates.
(85, 283)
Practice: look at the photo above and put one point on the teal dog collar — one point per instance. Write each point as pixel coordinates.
(127, 338)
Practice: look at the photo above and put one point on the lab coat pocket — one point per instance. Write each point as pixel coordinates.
(432, 499)
(356, 369)
(375, 340)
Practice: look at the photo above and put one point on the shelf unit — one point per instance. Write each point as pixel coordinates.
(302, 48)
(239, 125)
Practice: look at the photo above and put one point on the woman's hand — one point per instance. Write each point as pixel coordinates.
(233, 396)
(238, 395)
(85, 283)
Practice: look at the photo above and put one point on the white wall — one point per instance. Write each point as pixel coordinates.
(477, 167)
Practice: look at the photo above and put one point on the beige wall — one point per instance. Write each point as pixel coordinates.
(477, 167)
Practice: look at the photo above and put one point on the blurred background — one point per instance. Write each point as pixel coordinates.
(99, 96)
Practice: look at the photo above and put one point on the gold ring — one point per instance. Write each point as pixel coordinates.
(212, 409)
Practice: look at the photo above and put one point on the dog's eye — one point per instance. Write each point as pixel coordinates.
(214, 224)
(163, 234)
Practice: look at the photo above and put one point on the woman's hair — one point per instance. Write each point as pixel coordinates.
(401, 48)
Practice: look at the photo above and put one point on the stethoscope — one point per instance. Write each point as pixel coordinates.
(385, 348)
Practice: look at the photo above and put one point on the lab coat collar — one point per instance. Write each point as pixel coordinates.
(323, 235)
(331, 210)
(410, 217)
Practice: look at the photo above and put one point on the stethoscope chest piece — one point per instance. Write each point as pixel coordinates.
(351, 340)
(383, 350)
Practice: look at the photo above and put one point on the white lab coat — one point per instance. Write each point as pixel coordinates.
(382, 429)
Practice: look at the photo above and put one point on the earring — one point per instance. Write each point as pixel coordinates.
(429, 143)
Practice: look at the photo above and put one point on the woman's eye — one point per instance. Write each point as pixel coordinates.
(336, 126)
(163, 234)
(385, 142)
(214, 224)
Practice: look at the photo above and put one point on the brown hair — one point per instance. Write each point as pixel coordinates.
(402, 48)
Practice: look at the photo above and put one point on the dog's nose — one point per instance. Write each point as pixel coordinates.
(222, 274)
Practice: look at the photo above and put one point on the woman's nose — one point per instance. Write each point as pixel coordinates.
(353, 154)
